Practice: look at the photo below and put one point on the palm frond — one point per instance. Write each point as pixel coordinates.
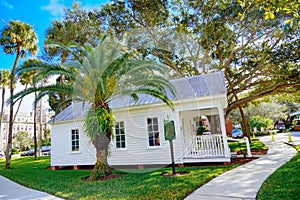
(43, 91)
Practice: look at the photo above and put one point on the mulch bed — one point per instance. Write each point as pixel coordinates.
(113, 176)
(242, 161)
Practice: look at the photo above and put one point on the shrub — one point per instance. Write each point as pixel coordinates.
(261, 122)
(15, 151)
(261, 133)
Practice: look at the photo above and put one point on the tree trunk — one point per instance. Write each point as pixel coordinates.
(2, 107)
(34, 129)
(20, 102)
(41, 127)
(288, 121)
(245, 123)
(101, 168)
(11, 112)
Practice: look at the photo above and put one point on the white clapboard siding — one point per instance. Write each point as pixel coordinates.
(61, 146)
(137, 150)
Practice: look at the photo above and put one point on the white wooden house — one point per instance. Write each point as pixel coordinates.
(139, 133)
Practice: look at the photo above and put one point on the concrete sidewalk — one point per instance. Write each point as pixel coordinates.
(15, 191)
(245, 181)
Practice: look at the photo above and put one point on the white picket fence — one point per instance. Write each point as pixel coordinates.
(204, 146)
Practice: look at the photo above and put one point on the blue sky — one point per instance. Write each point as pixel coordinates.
(39, 14)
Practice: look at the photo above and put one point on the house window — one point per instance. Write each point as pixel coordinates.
(120, 135)
(153, 133)
(75, 140)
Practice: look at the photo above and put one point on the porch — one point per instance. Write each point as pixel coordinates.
(204, 135)
(204, 146)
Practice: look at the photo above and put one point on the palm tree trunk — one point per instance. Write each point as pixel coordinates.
(34, 129)
(11, 113)
(41, 128)
(20, 102)
(101, 168)
(2, 106)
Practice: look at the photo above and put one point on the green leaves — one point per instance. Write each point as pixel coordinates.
(19, 37)
(98, 121)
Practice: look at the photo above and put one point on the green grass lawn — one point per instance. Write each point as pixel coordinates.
(284, 183)
(146, 185)
(254, 145)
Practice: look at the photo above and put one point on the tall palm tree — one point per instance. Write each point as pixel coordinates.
(20, 38)
(107, 72)
(4, 82)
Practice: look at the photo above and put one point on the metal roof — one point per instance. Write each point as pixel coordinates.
(186, 88)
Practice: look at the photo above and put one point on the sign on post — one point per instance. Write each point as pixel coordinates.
(169, 130)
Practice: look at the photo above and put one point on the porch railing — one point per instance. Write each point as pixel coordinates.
(204, 146)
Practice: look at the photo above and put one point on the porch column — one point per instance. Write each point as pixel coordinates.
(179, 141)
(223, 129)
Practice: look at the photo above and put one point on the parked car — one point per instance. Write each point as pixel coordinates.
(281, 127)
(1, 154)
(46, 150)
(30, 152)
(237, 133)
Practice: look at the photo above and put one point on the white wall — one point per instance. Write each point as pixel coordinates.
(137, 150)
(61, 147)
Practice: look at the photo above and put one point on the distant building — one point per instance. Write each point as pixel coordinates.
(23, 122)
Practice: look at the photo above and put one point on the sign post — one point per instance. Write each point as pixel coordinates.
(169, 129)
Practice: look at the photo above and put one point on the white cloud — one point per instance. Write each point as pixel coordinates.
(55, 8)
(4, 3)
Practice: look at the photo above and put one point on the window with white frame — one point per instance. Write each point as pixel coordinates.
(120, 135)
(153, 132)
(75, 139)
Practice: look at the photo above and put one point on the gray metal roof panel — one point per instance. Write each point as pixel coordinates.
(196, 86)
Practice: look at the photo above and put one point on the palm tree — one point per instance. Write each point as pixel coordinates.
(4, 82)
(77, 25)
(107, 72)
(20, 38)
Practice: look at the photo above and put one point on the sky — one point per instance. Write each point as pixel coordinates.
(39, 14)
